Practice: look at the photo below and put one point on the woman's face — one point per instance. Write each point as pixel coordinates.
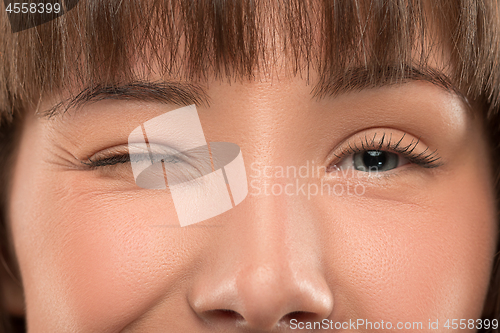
(411, 241)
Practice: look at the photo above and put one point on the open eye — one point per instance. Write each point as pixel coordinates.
(370, 152)
(372, 161)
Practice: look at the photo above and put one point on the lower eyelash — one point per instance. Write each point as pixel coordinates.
(426, 159)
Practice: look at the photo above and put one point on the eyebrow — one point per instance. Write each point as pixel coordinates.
(184, 93)
(361, 78)
(166, 92)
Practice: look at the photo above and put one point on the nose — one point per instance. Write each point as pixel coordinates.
(263, 270)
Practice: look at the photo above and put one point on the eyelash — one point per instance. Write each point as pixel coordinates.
(123, 158)
(107, 161)
(426, 159)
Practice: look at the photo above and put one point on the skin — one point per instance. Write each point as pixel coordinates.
(99, 254)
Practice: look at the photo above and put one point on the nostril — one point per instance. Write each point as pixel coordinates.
(222, 315)
(229, 316)
(299, 316)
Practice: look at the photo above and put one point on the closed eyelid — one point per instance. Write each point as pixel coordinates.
(121, 154)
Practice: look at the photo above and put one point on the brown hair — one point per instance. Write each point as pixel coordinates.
(100, 42)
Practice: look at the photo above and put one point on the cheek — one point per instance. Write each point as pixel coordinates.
(427, 258)
(105, 256)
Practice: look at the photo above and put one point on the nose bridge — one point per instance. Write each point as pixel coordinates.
(279, 224)
(267, 247)
(278, 227)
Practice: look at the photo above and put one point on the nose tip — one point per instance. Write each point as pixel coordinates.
(263, 299)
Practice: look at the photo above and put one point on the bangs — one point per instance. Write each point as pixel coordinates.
(110, 41)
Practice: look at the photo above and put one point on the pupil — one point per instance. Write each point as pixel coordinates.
(374, 159)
